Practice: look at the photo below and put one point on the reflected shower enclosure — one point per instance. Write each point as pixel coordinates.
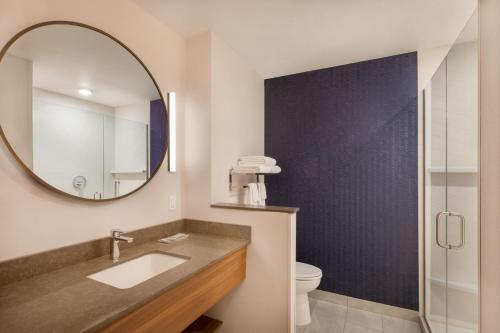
(80, 111)
(89, 150)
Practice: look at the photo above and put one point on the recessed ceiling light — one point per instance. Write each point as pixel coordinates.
(85, 92)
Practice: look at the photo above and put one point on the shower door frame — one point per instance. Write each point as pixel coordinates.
(423, 206)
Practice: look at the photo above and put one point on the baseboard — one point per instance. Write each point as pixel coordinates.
(329, 297)
(361, 304)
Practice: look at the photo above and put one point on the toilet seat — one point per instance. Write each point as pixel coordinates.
(306, 272)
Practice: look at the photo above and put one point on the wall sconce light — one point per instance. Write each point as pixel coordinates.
(172, 161)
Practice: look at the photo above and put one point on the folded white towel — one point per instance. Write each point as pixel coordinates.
(275, 169)
(253, 194)
(173, 238)
(256, 160)
(250, 169)
(262, 193)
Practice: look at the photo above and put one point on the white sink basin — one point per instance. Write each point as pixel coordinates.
(137, 270)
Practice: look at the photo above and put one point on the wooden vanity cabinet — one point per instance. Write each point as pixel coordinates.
(177, 308)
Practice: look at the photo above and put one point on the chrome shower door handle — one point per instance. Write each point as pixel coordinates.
(461, 219)
(438, 218)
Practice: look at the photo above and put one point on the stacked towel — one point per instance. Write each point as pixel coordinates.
(256, 160)
(251, 169)
(257, 194)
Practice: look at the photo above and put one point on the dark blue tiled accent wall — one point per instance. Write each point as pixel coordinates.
(346, 139)
(157, 133)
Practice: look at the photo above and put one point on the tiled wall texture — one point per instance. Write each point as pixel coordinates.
(346, 139)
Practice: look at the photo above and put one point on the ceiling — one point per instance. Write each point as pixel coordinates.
(280, 37)
(66, 58)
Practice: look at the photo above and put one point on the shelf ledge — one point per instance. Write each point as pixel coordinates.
(278, 209)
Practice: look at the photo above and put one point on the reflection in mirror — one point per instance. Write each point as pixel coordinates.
(81, 112)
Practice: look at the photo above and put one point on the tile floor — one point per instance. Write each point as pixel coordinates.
(327, 317)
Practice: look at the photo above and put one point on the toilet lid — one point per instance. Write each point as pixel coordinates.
(306, 271)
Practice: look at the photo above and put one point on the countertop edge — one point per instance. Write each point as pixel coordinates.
(275, 209)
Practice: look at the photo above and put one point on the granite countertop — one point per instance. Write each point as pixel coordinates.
(267, 208)
(66, 300)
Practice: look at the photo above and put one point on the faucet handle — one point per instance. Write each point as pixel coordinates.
(116, 233)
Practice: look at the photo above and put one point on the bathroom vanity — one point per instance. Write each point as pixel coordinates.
(67, 300)
(97, 131)
(84, 118)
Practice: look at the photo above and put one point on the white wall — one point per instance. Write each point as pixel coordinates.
(489, 20)
(15, 96)
(232, 97)
(216, 117)
(197, 131)
(35, 219)
(237, 118)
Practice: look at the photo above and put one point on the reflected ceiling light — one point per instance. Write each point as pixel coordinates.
(85, 92)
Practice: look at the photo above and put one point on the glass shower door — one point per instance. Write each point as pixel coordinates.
(451, 189)
(462, 184)
(436, 201)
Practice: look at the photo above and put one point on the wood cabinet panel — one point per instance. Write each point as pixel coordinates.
(177, 308)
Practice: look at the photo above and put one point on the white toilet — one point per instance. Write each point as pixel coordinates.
(307, 278)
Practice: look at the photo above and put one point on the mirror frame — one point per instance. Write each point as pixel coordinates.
(20, 161)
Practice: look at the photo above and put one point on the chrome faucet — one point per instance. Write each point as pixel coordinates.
(116, 237)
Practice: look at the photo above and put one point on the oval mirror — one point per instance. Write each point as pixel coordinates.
(80, 111)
